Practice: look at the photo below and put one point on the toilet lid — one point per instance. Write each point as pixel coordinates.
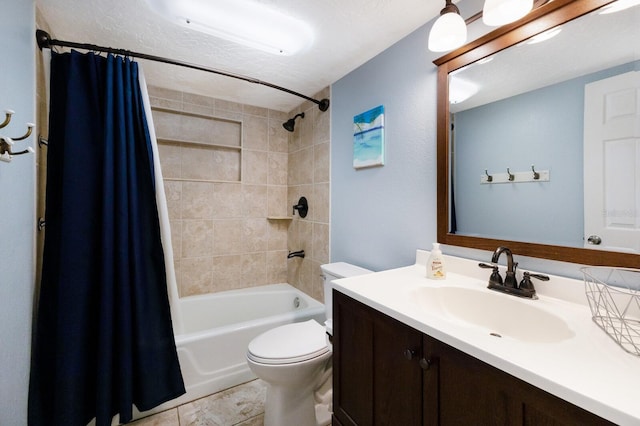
(289, 343)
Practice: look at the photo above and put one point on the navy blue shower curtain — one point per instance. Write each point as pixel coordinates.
(103, 338)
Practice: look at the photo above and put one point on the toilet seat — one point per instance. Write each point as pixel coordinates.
(288, 344)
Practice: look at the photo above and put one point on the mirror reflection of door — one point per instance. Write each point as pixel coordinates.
(612, 163)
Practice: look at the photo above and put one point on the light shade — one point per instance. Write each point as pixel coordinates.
(501, 12)
(448, 32)
(246, 22)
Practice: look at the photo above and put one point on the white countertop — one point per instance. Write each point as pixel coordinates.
(589, 369)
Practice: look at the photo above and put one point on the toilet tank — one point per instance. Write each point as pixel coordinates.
(334, 271)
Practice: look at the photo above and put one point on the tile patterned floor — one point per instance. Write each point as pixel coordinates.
(242, 405)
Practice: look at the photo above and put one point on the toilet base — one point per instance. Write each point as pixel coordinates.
(306, 405)
(289, 407)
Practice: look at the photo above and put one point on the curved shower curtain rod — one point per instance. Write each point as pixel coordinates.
(45, 41)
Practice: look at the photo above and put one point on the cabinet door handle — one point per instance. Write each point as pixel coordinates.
(409, 354)
(425, 363)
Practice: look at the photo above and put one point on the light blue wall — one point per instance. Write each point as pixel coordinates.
(17, 209)
(542, 127)
(380, 215)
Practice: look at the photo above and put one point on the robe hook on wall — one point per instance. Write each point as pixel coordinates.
(6, 152)
(7, 119)
(536, 175)
(511, 176)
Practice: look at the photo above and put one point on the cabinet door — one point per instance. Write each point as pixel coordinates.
(352, 362)
(462, 390)
(376, 376)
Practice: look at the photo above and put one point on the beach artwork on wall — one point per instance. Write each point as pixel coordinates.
(368, 138)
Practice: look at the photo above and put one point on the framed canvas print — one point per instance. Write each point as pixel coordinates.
(368, 138)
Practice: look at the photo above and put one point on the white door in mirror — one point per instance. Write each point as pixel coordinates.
(612, 163)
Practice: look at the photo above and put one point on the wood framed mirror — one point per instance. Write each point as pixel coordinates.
(550, 15)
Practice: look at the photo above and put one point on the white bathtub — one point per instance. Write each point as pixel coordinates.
(219, 327)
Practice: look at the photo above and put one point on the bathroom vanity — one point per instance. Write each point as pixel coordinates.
(402, 357)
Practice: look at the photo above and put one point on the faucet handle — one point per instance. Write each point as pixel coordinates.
(526, 283)
(495, 277)
(487, 266)
(538, 276)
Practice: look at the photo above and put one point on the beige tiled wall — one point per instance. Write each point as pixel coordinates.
(220, 199)
(308, 176)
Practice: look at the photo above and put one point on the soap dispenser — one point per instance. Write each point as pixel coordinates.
(435, 264)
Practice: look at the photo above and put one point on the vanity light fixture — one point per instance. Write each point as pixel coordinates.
(245, 22)
(501, 12)
(449, 31)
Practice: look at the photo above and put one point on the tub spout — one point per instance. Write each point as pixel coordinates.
(299, 253)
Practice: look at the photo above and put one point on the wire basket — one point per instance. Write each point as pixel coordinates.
(614, 298)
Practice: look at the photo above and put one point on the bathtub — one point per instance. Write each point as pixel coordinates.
(218, 328)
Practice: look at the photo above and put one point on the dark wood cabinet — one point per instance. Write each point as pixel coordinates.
(387, 373)
(376, 375)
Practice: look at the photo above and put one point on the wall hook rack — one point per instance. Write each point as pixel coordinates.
(532, 175)
(6, 143)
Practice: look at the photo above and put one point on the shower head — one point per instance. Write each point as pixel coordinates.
(291, 123)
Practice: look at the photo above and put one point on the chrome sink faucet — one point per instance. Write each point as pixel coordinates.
(510, 284)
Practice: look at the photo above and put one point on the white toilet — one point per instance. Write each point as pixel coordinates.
(295, 361)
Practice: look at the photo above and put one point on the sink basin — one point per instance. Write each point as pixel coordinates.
(497, 314)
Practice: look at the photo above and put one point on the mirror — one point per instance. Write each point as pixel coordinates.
(529, 84)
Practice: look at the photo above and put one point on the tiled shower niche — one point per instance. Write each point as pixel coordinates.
(199, 147)
(225, 171)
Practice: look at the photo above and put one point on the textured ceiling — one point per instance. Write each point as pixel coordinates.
(347, 34)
